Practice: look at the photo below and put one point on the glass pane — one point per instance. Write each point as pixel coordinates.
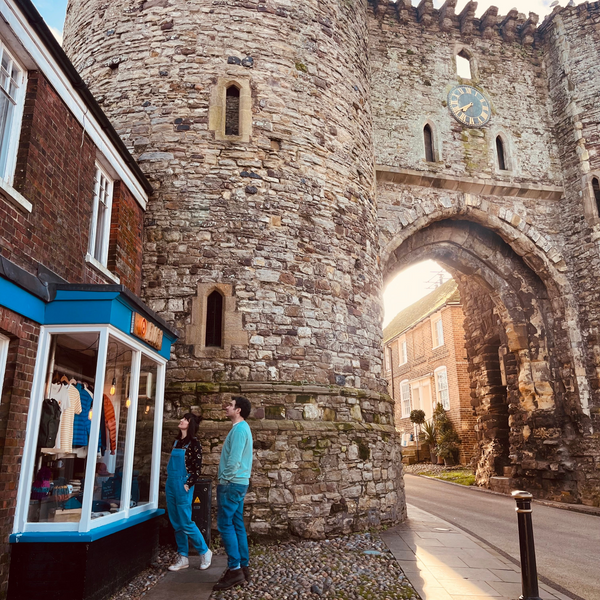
(142, 457)
(62, 447)
(6, 113)
(108, 482)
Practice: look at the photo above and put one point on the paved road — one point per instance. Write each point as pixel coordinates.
(567, 543)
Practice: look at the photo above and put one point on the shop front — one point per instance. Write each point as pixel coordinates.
(87, 499)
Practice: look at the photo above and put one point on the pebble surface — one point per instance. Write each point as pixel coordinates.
(352, 567)
(148, 578)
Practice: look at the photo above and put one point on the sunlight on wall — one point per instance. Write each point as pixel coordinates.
(411, 285)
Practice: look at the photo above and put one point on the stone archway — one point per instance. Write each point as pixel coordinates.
(525, 407)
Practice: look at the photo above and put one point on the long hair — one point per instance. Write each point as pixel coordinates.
(194, 421)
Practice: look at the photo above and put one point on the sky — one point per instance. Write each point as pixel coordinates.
(414, 282)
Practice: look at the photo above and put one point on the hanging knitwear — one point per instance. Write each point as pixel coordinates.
(111, 423)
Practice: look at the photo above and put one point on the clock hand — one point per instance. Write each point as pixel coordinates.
(464, 108)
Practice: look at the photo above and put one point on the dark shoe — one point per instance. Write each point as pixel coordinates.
(246, 571)
(229, 579)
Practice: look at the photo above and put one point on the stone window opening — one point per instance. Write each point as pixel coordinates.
(500, 154)
(232, 110)
(428, 139)
(214, 320)
(463, 65)
(596, 190)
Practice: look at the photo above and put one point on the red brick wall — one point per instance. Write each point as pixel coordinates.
(423, 359)
(125, 248)
(55, 172)
(14, 404)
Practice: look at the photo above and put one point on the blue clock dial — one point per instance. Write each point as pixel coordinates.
(469, 106)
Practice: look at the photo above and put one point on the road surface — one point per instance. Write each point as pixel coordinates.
(567, 543)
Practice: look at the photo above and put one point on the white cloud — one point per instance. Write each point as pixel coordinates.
(57, 34)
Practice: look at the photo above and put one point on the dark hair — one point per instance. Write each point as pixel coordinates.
(194, 421)
(243, 404)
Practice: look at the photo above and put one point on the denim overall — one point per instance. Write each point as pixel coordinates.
(179, 505)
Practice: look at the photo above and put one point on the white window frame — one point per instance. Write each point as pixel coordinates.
(86, 524)
(402, 351)
(388, 358)
(405, 404)
(4, 341)
(442, 393)
(10, 150)
(437, 334)
(103, 190)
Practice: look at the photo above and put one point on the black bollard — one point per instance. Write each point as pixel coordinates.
(529, 580)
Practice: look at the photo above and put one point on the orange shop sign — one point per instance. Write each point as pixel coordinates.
(147, 331)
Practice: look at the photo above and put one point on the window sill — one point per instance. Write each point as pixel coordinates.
(98, 266)
(9, 192)
(85, 537)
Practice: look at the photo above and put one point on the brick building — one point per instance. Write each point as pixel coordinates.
(72, 204)
(426, 363)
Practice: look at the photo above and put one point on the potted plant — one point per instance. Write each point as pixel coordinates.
(429, 435)
(417, 418)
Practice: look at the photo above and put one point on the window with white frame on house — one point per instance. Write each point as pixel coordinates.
(405, 398)
(441, 386)
(438, 332)
(12, 95)
(3, 358)
(100, 226)
(403, 352)
(388, 362)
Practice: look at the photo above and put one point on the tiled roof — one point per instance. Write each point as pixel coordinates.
(447, 293)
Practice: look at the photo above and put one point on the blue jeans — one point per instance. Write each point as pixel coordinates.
(230, 523)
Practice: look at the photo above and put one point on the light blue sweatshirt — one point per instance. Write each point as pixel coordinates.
(236, 456)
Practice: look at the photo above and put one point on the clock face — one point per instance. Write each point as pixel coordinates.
(468, 106)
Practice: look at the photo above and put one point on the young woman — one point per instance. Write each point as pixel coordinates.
(183, 471)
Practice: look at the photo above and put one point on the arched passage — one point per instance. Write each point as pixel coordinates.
(517, 350)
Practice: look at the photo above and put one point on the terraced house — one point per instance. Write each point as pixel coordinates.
(81, 377)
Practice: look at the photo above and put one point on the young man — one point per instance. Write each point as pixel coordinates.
(234, 478)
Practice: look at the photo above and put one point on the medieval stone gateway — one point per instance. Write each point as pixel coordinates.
(301, 155)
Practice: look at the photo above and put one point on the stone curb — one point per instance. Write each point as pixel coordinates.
(580, 508)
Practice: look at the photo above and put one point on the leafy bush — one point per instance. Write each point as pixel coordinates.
(430, 434)
(448, 441)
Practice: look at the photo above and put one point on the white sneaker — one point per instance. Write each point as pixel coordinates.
(205, 559)
(181, 563)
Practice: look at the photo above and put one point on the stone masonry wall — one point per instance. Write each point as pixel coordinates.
(571, 40)
(281, 219)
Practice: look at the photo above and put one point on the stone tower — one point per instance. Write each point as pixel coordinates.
(253, 122)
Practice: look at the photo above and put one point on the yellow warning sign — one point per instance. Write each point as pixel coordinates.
(196, 500)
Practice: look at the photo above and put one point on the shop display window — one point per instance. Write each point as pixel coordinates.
(91, 453)
(146, 410)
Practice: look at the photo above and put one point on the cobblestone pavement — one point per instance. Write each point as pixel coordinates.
(352, 567)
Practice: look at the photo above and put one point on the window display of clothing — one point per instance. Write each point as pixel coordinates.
(64, 440)
(49, 423)
(82, 421)
(111, 423)
(60, 393)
